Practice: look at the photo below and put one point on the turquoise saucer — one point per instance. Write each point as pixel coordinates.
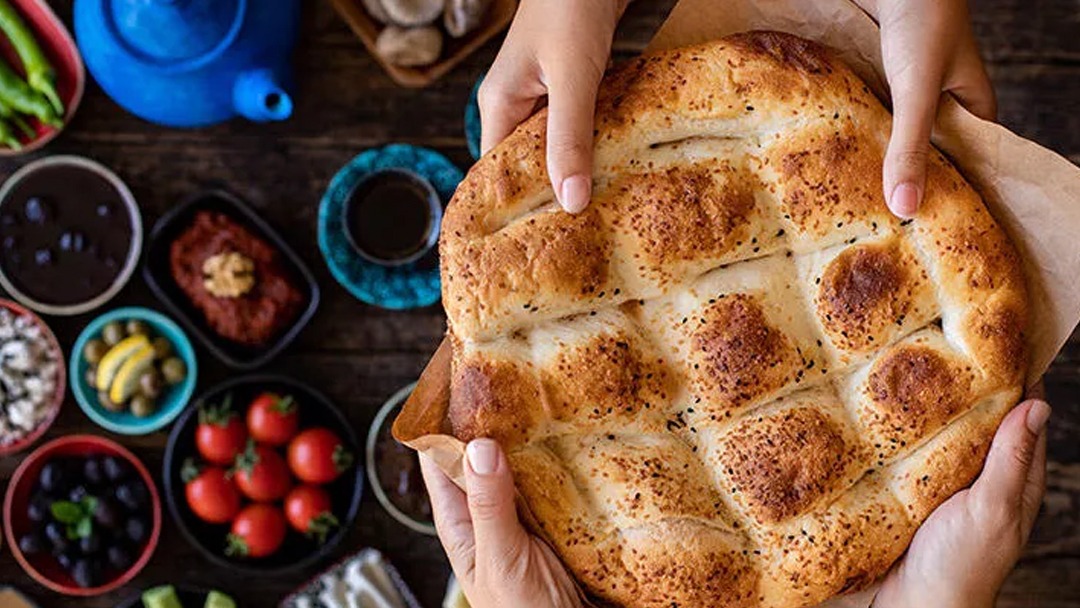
(401, 287)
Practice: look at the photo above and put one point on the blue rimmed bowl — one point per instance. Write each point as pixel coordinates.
(172, 400)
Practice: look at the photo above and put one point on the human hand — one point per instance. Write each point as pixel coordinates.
(557, 48)
(928, 48)
(961, 555)
(497, 562)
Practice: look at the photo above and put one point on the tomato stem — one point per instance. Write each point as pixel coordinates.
(189, 470)
(218, 415)
(321, 526)
(246, 460)
(235, 546)
(342, 458)
(284, 405)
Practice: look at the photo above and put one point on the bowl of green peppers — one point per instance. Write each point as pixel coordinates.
(41, 76)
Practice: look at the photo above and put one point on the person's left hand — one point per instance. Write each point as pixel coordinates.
(555, 53)
(928, 49)
(961, 555)
(498, 563)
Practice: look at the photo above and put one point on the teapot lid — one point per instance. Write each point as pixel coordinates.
(171, 31)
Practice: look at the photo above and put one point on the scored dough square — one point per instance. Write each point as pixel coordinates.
(786, 457)
(735, 379)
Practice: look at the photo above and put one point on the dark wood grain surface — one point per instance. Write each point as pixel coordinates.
(360, 355)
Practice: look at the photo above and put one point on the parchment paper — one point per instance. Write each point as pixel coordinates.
(1032, 192)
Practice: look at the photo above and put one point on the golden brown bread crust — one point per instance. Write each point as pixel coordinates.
(735, 379)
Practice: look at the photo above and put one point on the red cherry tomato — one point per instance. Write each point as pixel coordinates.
(210, 493)
(318, 456)
(257, 531)
(272, 419)
(221, 435)
(261, 474)
(310, 511)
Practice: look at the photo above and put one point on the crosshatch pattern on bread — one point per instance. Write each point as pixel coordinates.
(735, 379)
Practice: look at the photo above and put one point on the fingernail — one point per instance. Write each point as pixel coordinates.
(905, 199)
(1037, 415)
(483, 456)
(575, 194)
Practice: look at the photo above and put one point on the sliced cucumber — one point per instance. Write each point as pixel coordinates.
(217, 599)
(161, 597)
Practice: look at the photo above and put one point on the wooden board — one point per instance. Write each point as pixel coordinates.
(367, 30)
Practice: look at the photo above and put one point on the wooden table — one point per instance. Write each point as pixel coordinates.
(360, 355)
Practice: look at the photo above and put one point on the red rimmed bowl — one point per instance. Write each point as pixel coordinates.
(61, 382)
(45, 569)
(60, 49)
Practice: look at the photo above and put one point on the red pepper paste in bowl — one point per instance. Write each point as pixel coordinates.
(237, 280)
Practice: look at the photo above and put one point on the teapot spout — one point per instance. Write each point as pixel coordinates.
(258, 96)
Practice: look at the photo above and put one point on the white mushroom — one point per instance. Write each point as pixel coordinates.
(464, 16)
(376, 10)
(410, 47)
(406, 13)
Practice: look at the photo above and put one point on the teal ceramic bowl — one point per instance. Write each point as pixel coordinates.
(172, 400)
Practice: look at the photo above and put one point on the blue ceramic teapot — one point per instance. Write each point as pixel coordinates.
(189, 63)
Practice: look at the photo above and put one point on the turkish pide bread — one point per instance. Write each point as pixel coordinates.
(735, 379)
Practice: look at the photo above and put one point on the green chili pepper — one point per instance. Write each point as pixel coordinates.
(8, 138)
(39, 72)
(7, 113)
(18, 95)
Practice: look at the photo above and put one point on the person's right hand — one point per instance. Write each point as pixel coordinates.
(558, 49)
(928, 47)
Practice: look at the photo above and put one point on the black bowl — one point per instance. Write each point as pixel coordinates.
(158, 276)
(189, 596)
(297, 553)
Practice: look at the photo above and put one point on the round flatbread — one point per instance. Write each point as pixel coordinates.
(735, 379)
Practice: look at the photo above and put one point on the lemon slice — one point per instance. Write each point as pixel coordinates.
(112, 361)
(127, 379)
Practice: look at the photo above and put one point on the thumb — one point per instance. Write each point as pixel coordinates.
(452, 521)
(500, 538)
(915, 106)
(571, 106)
(1015, 469)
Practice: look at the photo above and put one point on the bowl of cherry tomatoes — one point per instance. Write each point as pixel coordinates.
(263, 475)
